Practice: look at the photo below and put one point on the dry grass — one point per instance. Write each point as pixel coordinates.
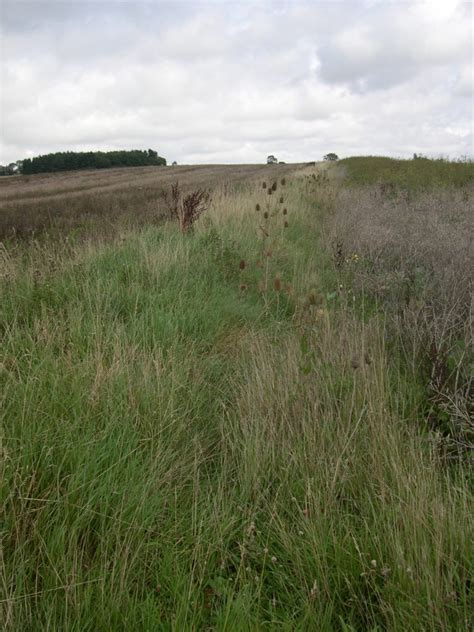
(95, 202)
(413, 255)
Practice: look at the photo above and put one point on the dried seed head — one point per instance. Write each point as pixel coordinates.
(285, 211)
(257, 207)
(243, 287)
(285, 224)
(277, 283)
(367, 358)
(268, 253)
(265, 215)
(312, 298)
(274, 186)
(281, 200)
(283, 182)
(270, 191)
(355, 364)
(261, 286)
(264, 185)
(242, 264)
(288, 289)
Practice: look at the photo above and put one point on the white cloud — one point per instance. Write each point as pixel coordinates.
(220, 82)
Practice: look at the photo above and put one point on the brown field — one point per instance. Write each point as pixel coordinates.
(81, 200)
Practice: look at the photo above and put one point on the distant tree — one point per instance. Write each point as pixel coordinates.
(70, 160)
(174, 163)
(271, 160)
(331, 156)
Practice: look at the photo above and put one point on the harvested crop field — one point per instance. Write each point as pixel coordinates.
(59, 202)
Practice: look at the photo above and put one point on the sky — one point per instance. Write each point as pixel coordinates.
(232, 82)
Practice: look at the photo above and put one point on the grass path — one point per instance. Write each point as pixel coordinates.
(207, 432)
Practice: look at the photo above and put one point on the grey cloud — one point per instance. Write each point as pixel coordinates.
(233, 82)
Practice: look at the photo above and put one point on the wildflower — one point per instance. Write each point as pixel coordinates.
(373, 563)
(273, 559)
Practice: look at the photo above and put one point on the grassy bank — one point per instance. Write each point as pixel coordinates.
(214, 431)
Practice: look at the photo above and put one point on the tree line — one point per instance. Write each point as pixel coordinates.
(70, 160)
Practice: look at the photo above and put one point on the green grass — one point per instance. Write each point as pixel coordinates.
(180, 454)
(418, 174)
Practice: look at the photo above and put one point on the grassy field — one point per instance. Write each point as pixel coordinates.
(263, 424)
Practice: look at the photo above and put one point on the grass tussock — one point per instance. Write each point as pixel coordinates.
(225, 430)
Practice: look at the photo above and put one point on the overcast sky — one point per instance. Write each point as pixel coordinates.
(221, 81)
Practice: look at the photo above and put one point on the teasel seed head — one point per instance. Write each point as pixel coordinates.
(283, 182)
(274, 186)
(277, 283)
(242, 264)
(281, 200)
(285, 211)
(270, 190)
(355, 364)
(268, 253)
(265, 215)
(285, 224)
(257, 207)
(243, 287)
(367, 358)
(264, 185)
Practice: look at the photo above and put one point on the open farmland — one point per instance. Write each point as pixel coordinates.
(99, 200)
(263, 423)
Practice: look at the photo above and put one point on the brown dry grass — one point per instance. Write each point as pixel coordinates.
(413, 255)
(93, 201)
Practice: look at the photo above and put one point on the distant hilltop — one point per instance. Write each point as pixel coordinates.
(71, 160)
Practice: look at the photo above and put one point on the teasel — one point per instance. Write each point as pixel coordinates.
(283, 182)
(264, 185)
(243, 287)
(285, 224)
(355, 364)
(242, 264)
(257, 207)
(285, 211)
(281, 200)
(270, 190)
(277, 283)
(274, 186)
